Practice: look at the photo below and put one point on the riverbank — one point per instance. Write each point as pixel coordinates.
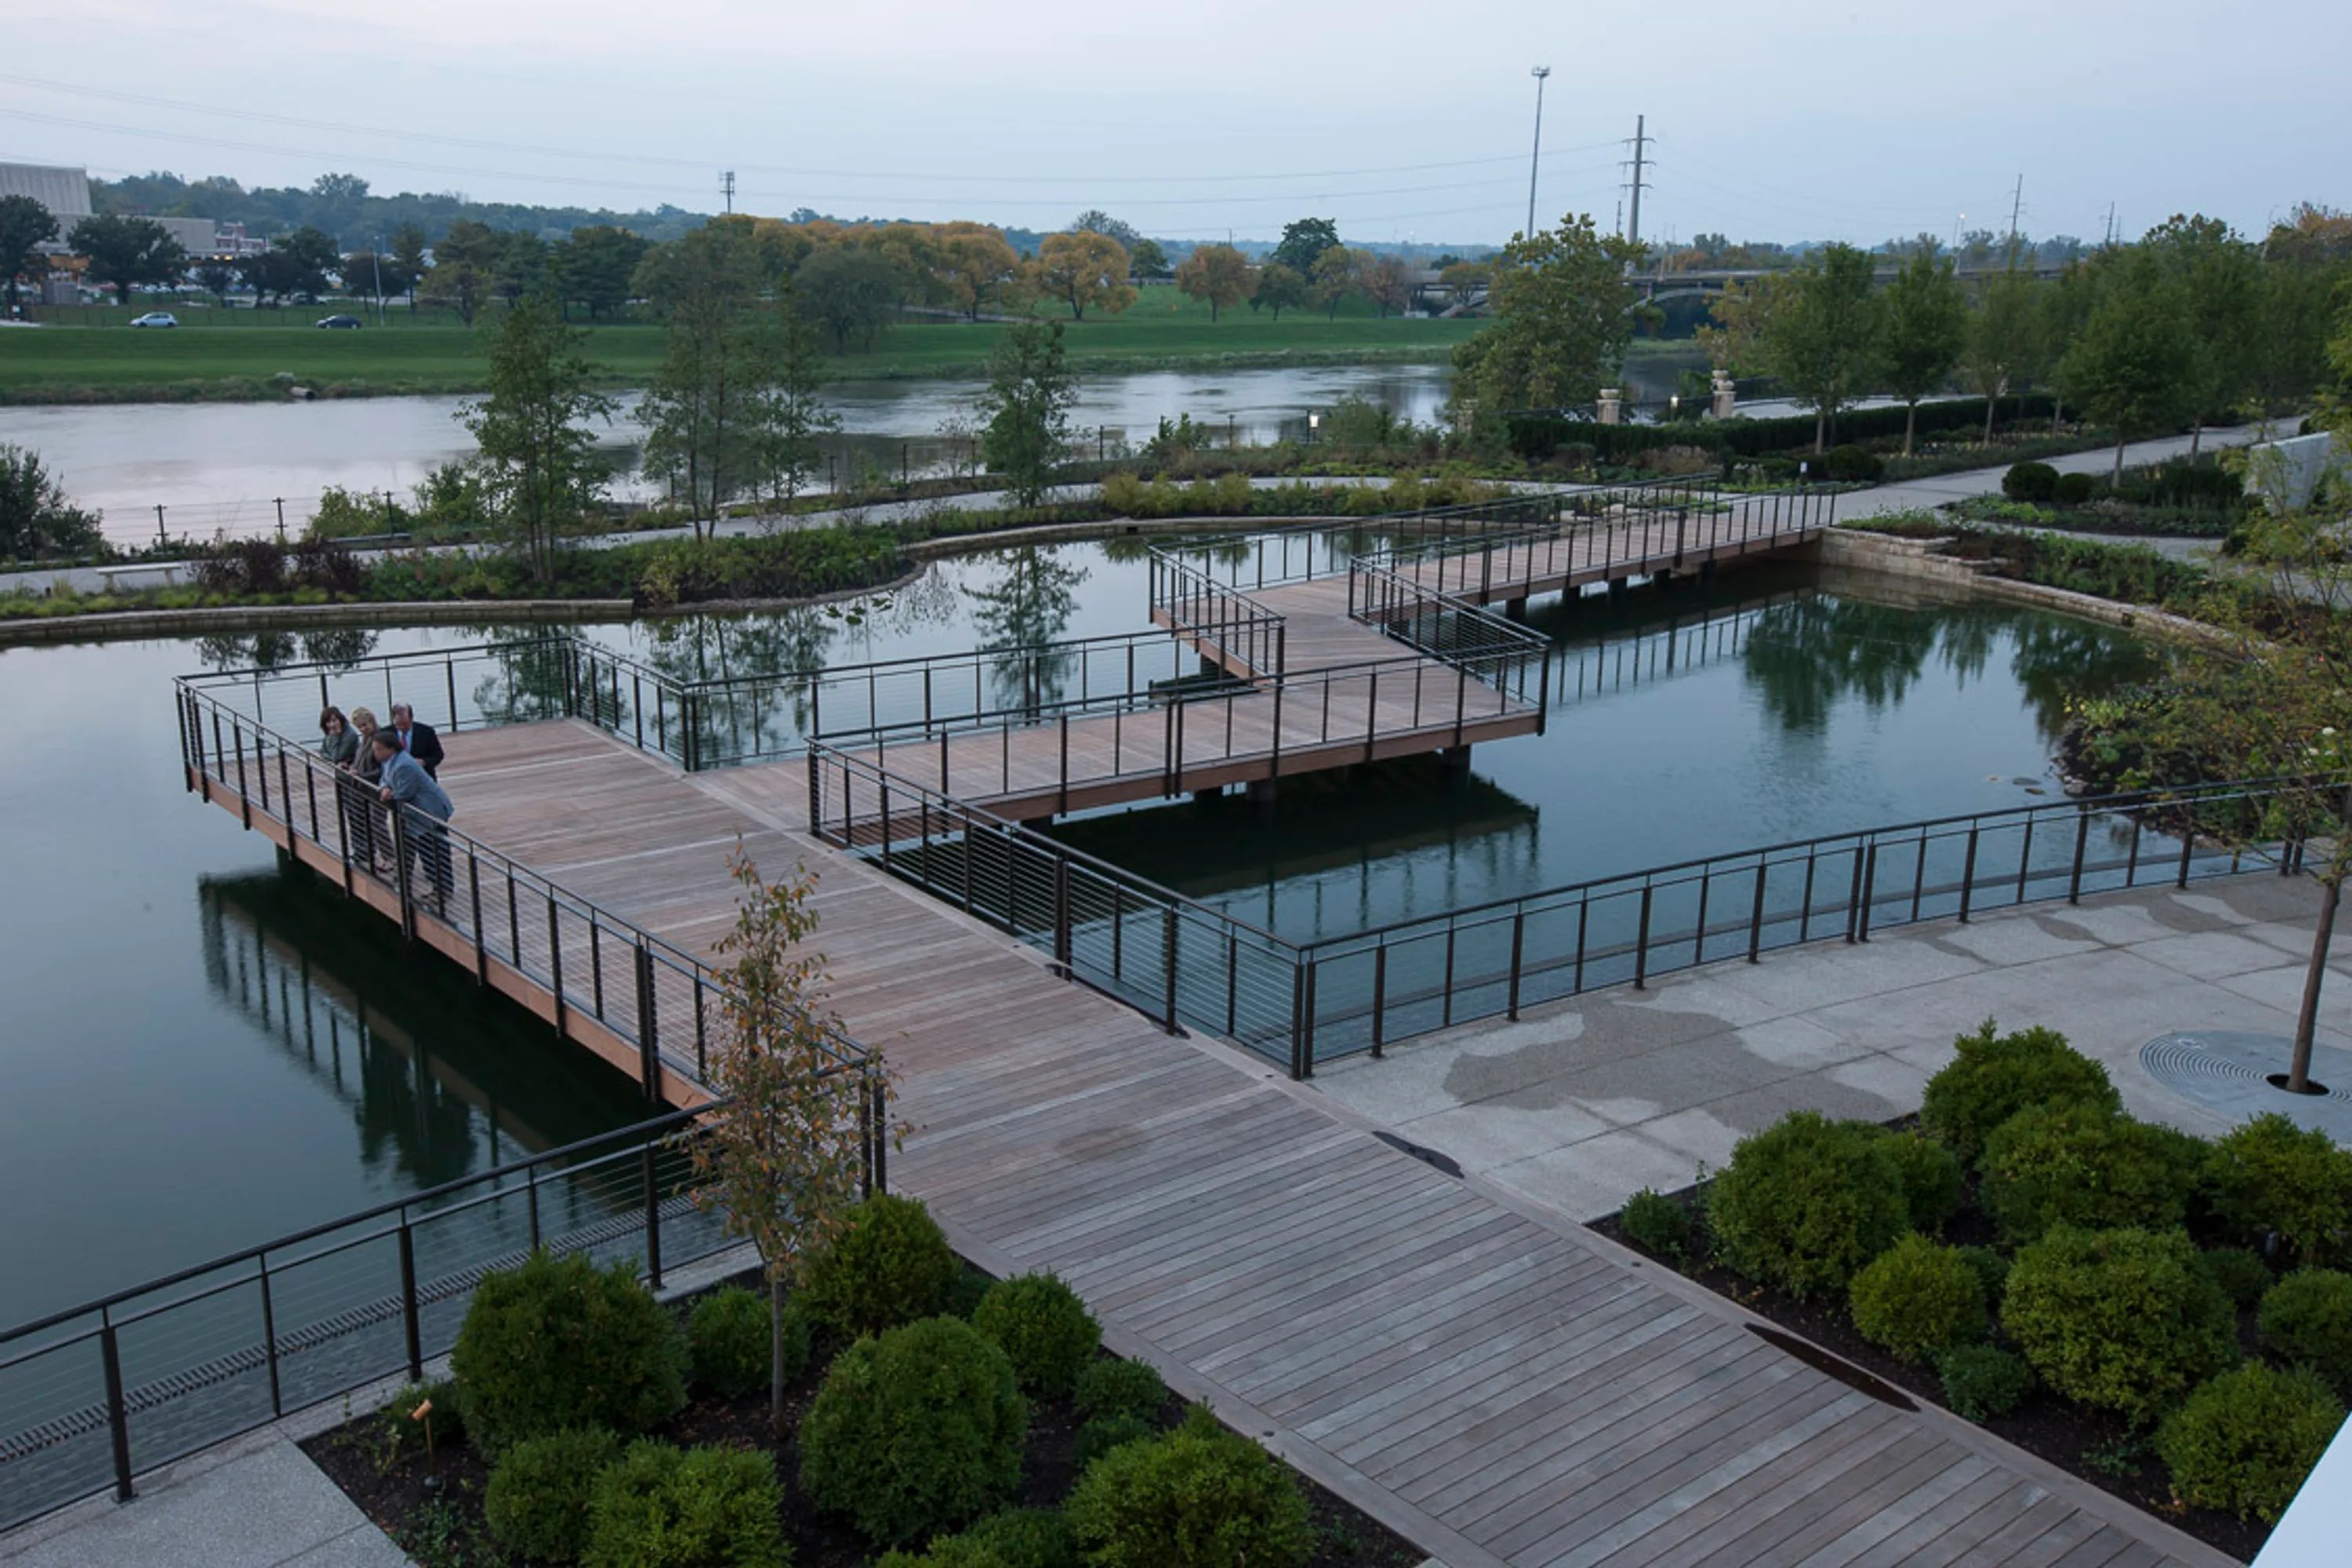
(73, 364)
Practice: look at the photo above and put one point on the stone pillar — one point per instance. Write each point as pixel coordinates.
(1612, 405)
(1723, 397)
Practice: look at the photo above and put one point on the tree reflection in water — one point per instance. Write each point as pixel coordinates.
(1030, 603)
(1805, 656)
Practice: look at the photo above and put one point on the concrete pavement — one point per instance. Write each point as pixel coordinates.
(1583, 1102)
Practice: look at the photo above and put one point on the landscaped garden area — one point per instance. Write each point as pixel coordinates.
(922, 1415)
(2166, 1317)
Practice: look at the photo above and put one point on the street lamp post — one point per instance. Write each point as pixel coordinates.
(1535, 158)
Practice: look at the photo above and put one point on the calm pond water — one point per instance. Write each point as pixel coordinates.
(202, 1053)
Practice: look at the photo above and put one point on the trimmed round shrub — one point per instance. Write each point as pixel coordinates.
(1119, 1388)
(1917, 1299)
(890, 1265)
(1981, 1382)
(2242, 1276)
(1852, 464)
(2125, 1320)
(2076, 1163)
(2245, 1442)
(2269, 1174)
(1996, 1076)
(663, 1506)
(1025, 1538)
(1657, 1224)
(2030, 481)
(732, 1342)
(1932, 1179)
(2075, 489)
(537, 1501)
(1992, 1273)
(1103, 1433)
(1806, 1203)
(1199, 1496)
(1043, 1330)
(559, 1342)
(915, 1433)
(2306, 1318)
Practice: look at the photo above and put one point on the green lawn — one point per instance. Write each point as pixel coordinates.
(91, 356)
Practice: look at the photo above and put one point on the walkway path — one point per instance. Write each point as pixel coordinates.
(1581, 1103)
(1493, 1381)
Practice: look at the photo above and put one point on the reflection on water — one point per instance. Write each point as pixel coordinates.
(1774, 706)
(439, 1079)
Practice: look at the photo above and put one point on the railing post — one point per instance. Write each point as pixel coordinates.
(1167, 958)
(400, 872)
(1756, 914)
(2188, 849)
(1518, 947)
(2081, 841)
(1969, 875)
(1869, 887)
(1061, 938)
(653, 1216)
(474, 890)
(648, 1028)
(1380, 998)
(270, 1337)
(1303, 1066)
(1642, 942)
(118, 1417)
(411, 1328)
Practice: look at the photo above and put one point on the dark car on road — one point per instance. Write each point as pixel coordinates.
(352, 322)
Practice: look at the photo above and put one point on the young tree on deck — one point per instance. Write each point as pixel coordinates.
(782, 1157)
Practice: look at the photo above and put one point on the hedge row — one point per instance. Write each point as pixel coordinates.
(1537, 437)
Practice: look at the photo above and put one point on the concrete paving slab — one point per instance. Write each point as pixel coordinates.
(260, 1503)
(1577, 1106)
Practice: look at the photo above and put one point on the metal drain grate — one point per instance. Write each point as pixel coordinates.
(2229, 1071)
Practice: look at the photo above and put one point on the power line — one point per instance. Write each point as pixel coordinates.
(608, 157)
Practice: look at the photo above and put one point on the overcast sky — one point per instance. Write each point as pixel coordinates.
(1772, 119)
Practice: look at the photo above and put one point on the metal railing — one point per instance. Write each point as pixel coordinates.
(1370, 989)
(1174, 959)
(1202, 731)
(1605, 535)
(1485, 646)
(488, 910)
(1225, 624)
(99, 1393)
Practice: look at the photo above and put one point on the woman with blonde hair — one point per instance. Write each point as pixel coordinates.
(363, 818)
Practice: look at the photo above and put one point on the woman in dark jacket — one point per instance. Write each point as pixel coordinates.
(338, 743)
(363, 821)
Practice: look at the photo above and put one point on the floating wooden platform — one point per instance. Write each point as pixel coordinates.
(1495, 1382)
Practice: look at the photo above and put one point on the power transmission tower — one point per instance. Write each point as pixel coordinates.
(726, 183)
(2016, 200)
(1633, 229)
(2110, 238)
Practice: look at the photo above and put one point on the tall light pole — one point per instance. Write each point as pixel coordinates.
(1535, 159)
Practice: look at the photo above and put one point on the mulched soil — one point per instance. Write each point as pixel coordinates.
(2102, 1449)
(435, 1508)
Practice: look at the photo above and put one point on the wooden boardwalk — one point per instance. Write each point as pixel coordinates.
(1495, 1382)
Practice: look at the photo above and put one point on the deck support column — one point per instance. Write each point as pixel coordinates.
(1516, 609)
(1204, 796)
(1262, 796)
(1617, 586)
(1662, 579)
(1454, 764)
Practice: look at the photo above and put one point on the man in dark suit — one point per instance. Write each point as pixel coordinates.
(417, 740)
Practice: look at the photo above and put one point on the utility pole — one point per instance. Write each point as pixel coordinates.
(1535, 159)
(726, 183)
(2016, 201)
(2111, 224)
(375, 261)
(1634, 229)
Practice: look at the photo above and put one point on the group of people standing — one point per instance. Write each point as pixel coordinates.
(395, 765)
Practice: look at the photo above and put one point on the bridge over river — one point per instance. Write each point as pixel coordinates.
(1495, 1384)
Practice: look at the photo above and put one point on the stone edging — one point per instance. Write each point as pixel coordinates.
(1924, 559)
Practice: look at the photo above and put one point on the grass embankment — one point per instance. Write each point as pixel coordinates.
(91, 357)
